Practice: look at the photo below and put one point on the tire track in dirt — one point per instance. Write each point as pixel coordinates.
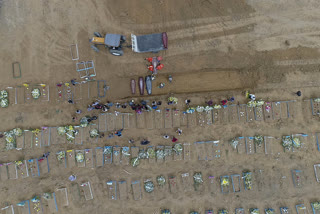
(228, 29)
(221, 43)
(57, 47)
(191, 22)
(297, 62)
(259, 39)
(212, 28)
(236, 41)
(105, 14)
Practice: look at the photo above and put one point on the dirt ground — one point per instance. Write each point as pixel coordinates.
(217, 49)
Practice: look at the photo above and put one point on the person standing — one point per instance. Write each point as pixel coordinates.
(252, 97)
(161, 85)
(174, 139)
(298, 93)
(119, 133)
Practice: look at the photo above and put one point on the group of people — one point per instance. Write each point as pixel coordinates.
(97, 105)
(105, 107)
(173, 139)
(155, 64)
(139, 107)
(116, 133)
(162, 84)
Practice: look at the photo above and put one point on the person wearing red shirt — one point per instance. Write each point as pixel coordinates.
(224, 102)
(150, 67)
(159, 67)
(149, 59)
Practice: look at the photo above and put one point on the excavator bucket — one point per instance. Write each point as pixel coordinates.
(97, 40)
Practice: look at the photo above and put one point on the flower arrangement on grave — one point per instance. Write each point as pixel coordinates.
(3, 94)
(10, 138)
(166, 211)
(142, 154)
(200, 109)
(151, 153)
(116, 153)
(4, 99)
(197, 177)
(84, 122)
(258, 140)
(177, 148)
(234, 143)
(70, 133)
(148, 186)
(47, 195)
(259, 103)
(190, 110)
(287, 142)
(160, 154)
(4, 103)
(317, 100)
(134, 161)
(35, 93)
(36, 132)
(18, 163)
(269, 211)
(61, 130)
(247, 180)
(107, 150)
(316, 205)
(254, 211)
(217, 106)
(36, 205)
(35, 199)
(17, 132)
(223, 211)
(94, 133)
(173, 99)
(79, 157)
(61, 156)
(161, 180)
(225, 181)
(296, 142)
(125, 152)
(208, 109)
(251, 104)
(167, 152)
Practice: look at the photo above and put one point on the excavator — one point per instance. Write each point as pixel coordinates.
(139, 44)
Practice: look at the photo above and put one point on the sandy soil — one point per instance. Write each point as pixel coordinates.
(217, 49)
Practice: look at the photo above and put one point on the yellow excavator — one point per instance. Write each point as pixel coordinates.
(139, 44)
